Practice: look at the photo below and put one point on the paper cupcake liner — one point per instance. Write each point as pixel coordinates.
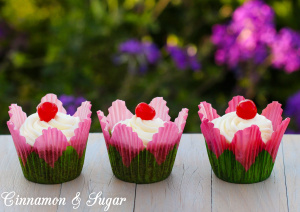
(130, 160)
(143, 168)
(52, 159)
(66, 168)
(227, 168)
(247, 158)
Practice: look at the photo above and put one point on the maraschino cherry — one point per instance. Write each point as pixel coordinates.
(47, 111)
(246, 109)
(145, 111)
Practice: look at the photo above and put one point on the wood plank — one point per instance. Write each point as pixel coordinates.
(291, 149)
(189, 186)
(269, 195)
(97, 177)
(12, 179)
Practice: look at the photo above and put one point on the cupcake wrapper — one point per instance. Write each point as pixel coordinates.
(227, 168)
(246, 159)
(66, 168)
(130, 160)
(143, 168)
(52, 159)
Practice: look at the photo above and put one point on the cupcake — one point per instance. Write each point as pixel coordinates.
(142, 147)
(50, 144)
(242, 145)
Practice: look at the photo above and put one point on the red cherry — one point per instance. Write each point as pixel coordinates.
(246, 109)
(145, 111)
(47, 111)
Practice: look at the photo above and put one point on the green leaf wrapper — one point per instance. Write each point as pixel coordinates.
(66, 168)
(227, 168)
(143, 168)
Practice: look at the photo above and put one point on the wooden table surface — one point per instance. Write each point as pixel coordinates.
(191, 186)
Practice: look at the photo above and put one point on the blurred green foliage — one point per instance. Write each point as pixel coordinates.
(66, 47)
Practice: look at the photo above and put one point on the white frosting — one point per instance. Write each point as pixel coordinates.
(144, 128)
(230, 123)
(32, 127)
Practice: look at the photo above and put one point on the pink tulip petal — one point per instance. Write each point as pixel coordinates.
(163, 141)
(117, 112)
(81, 134)
(79, 140)
(84, 111)
(215, 141)
(180, 121)
(53, 98)
(127, 143)
(161, 109)
(206, 111)
(50, 145)
(233, 103)
(104, 126)
(273, 144)
(17, 116)
(273, 112)
(23, 149)
(246, 145)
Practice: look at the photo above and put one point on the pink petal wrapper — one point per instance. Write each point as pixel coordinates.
(117, 112)
(79, 140)
(126, 142)
(50, 145)
(273, 112)
(84, 111)
(23, 149)
(53, 98)
(214, 140)
(163, 141)
(104, 126)
(206, 111)
(180, 121)
(246, 144)
(273, 144)
(161, 109)
(233, 103)
(17, 118)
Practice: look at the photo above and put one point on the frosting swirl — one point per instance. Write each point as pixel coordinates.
(32, 127)
(144, 128)
(230, 123)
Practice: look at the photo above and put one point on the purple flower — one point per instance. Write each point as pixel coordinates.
(246, 36)
(182, 59)
(151, 51)
(286, 50)
(292, 108)
(137, 54)
(131, 46)
(71, 103)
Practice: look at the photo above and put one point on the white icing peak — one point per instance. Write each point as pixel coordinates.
(144, 128)
(32, 127)
(230, 123)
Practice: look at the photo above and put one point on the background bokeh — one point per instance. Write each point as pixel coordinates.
(184, 50)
